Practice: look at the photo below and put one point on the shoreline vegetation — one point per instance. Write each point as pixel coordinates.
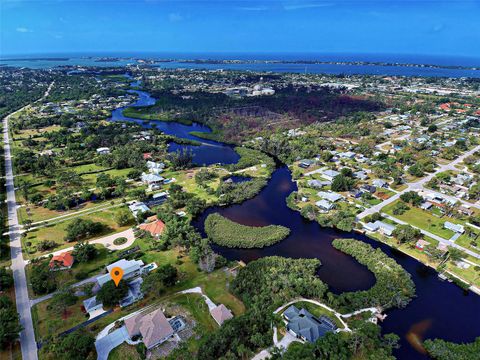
(142, 114)
(225, 232)
(393, 287)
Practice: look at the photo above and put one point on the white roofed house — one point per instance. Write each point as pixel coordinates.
(155, 167)
(330, 196)
(379, 183)
(325, 205)
(459, 229)
(152, 179)
(330, 174)
(103, 151)
(384, 228)
(138, 207)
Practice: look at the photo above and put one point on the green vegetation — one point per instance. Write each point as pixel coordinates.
(9, 322)
(366, 342)
(231, 234)
(393, 288)
(111, 294)
(444, 350)
(263, 285)
(422, 219)
(79, 345)
(250, 157)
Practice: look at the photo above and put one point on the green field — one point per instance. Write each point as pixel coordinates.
(423, 219)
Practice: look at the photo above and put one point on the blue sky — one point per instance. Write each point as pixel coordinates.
(399, 27)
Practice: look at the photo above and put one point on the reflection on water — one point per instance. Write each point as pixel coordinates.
(415, 335)
(455, 313)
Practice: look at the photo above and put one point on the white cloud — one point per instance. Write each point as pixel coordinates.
(22, 29)
(305, 6)
(175, 17)
(252, 8)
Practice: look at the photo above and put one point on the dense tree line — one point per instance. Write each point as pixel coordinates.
(393, 288)
(228, 233)
(263, 285)
(444, 350)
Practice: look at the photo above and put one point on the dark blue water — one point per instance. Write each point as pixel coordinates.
(440, 310)
(334, 69)
(209, 152)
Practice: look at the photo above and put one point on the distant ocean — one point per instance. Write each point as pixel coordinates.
(39, 61)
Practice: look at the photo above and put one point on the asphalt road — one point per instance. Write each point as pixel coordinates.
(27, 336)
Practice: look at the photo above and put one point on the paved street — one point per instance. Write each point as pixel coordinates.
(27, 336)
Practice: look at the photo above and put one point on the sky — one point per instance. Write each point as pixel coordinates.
(427, 27)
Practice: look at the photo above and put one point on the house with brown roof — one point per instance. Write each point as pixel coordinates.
(154, 328)
(61, 261)
(154, 226)
(220, 314)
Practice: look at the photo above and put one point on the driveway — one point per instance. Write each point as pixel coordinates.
(109, 342)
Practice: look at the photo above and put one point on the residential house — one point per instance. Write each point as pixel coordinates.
(154, 226)
(368, 188)
(138, 207)
(330, 196)
(152, 179)
(303, 325)
(421, 244)
(103, 151)
(426, 205)
(325, 205)
(157, 199)
(305, 163)
(221, 314)
(379, 183)
(154, 328)
(154, 167)
(362, 175)
(92, 305)
(330, 174)
(318, 183)
(62, 261)
(460, 229)
(380, 226)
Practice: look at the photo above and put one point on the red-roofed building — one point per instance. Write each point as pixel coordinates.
(153, 225)
(62, 261)
(147, 156)
(445, 107)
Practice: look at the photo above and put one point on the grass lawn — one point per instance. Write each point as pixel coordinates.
(469, 243)
(196, 306)
(423, 219)
(58, 231)
(318, 311)
(48, 322)
(124, 352)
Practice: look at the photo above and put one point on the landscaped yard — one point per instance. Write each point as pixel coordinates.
(48, 322)
(58, 231)
(124, 352)
(423, 219)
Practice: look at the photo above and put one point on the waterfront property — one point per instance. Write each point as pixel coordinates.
(303, 325)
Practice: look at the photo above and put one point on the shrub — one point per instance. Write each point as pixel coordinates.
(120, 241)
